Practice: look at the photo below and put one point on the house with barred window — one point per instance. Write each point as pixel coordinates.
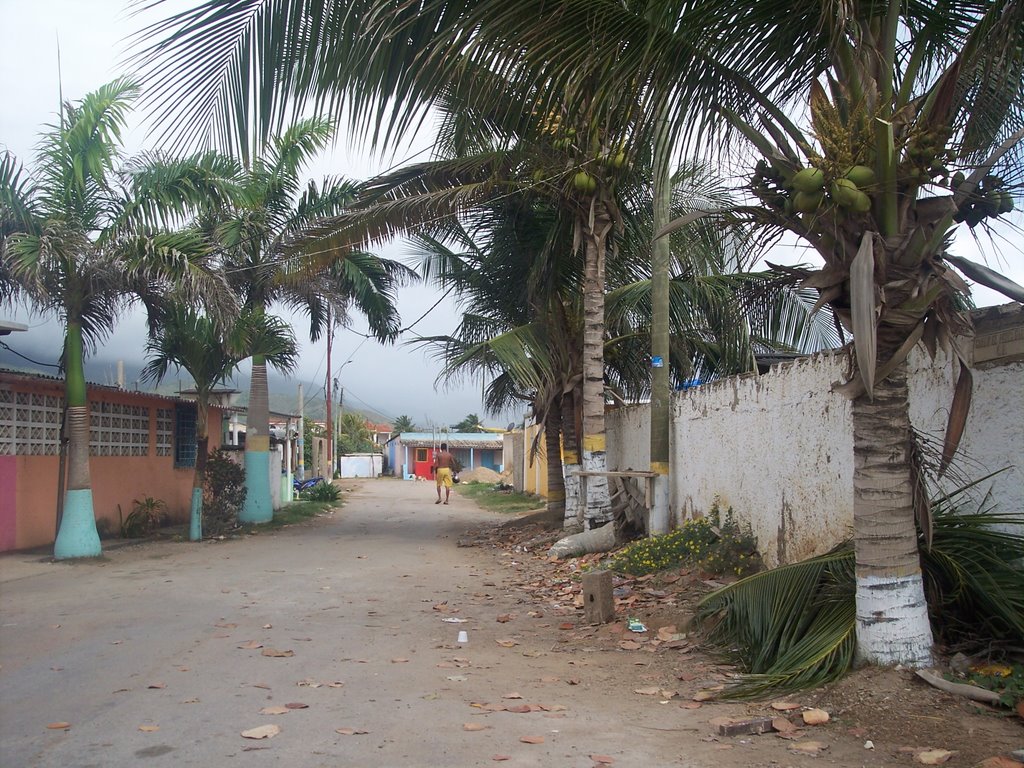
(141, 444)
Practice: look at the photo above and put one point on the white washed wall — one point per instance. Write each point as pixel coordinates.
(778, 448)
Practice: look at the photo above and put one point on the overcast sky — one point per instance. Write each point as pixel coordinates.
(92, 33)
(394, 380)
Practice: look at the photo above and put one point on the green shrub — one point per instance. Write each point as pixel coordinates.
(223, 493)
(146, 516)
(321, 492)
(715, 546)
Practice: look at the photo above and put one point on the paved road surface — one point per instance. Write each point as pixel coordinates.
(140, 653)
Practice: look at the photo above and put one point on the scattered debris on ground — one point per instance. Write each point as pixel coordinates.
(891, 712)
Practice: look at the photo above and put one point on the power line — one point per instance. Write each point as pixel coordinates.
(24, 357)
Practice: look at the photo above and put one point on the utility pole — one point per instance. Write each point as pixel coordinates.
(300, 443)
(327, 399)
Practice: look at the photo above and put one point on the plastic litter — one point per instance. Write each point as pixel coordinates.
(635, 625)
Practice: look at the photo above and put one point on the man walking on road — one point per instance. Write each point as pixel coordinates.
(443, 463)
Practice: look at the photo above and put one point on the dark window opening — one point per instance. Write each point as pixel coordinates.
(184, 436)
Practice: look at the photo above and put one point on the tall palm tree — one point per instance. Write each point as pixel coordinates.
(210, 354)
(265, 263)
(904, 89)
(81, 237)
(402, 424)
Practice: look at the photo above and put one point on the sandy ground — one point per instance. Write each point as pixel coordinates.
(162, 654)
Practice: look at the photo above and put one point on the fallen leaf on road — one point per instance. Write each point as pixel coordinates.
(815, 716)
(262, 732)
(567, 625)
(350, 731)
(183, 669)
(335, 684)
(573, 681)
(512, 695)
(532, 739)
(275, 653)
(474, 727)
(703, 696)
(629, 645)
(251, 645)
(275, 710)
(149, 728)
(157, 685)
(226, 625)
(504, 618)
(783, 725)
(507, 643)
(296, 705)
(190, 701)
(521, 709)
(602, 759)
(501, 758)
(268, 626)
(58, 726)
(934, 756)
(399, 661)
(651, 690)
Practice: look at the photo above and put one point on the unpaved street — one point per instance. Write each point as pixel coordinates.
(158, 654)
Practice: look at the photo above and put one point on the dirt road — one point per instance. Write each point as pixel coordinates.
(343, 634)
(162, 654)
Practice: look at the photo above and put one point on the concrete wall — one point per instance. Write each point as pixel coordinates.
(28, 483)
(361, 465)
(778, 448)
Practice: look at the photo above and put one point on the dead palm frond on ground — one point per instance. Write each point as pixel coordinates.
(793, 628)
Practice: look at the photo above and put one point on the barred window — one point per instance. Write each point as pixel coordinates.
(184, 435)
(29, 423)
(116, 429)
(164, 431)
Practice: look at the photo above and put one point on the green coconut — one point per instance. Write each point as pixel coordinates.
(861, 202)
(1005, 201)
(845, 192)
(861, 175)
(584, 182)
(807, 202)
(808, 180)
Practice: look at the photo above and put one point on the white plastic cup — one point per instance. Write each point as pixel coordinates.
(463, 637)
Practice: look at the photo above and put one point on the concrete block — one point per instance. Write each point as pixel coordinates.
(598, 602)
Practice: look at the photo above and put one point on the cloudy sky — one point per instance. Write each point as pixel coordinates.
(92, 37)
(394, 380)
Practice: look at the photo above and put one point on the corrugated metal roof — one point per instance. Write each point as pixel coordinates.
(454, 439)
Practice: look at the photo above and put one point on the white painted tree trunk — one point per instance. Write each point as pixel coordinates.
(892, 615)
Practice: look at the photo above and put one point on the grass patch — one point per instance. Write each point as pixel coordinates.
(295, 512)
(487, 496)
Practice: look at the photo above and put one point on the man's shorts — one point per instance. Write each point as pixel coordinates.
(444, 477)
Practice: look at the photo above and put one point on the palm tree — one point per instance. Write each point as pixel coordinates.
(79, 238)
(403, 424)
(210, 354)
(265, 263)
(471, 423)
(896, 93)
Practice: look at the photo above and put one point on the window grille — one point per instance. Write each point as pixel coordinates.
(29, 423)
(164, 431)
(116, 429)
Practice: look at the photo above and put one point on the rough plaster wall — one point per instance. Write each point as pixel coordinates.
(631, 446)
(778, 449)
(994, 435)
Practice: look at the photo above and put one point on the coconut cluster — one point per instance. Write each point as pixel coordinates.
(808, 189)
(988, 200)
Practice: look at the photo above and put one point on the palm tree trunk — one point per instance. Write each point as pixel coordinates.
(571, 463)
(258, 507)
(553, 451)
(658, 518)
(77, 536)
(892, 615)
(597, 510)
(195, 527)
